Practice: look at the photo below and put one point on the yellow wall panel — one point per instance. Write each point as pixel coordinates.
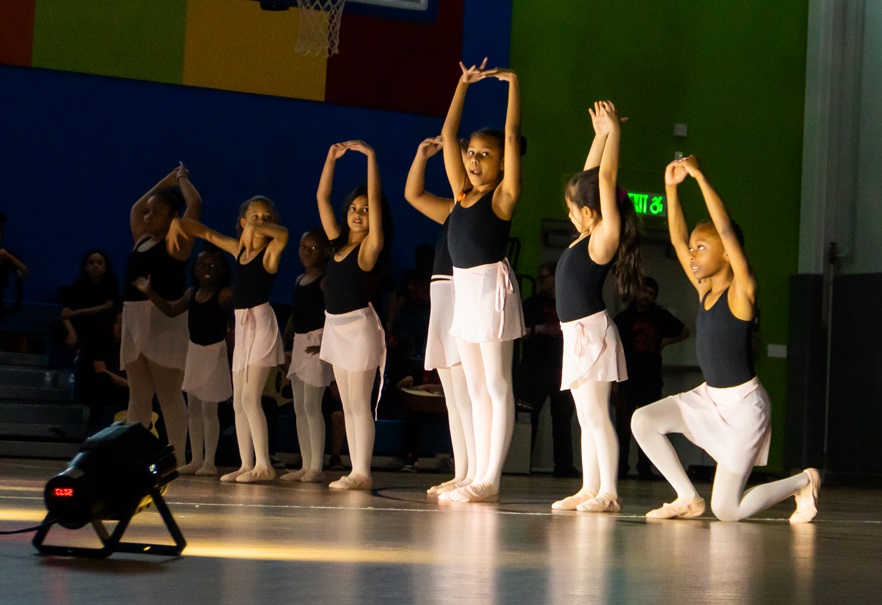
(234, 45)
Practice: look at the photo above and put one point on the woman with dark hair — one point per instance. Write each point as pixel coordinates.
(89, 300)
(153, 350)
(593, 357)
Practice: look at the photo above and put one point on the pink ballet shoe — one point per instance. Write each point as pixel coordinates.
(256, 475)
(602, 503)
(231, 477)
(572, 502)
(352, 482)
(447, 486)
(293, 475)
(189, 469)
(807, 498)
(313, 477)
(679, 510)
(207, 471)
(476, 492)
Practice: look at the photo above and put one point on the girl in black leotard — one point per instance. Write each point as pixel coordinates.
(593, 357)
(729, 415)
(257, 250)
(442, 352)
(353, 341)
(153, 349)
(207, 373)
(487, 314)
(309, 375)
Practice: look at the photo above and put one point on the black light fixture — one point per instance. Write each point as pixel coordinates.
(116, 474)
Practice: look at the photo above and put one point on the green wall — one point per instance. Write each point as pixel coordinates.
(734, 72)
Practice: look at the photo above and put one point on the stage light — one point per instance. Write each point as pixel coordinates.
(117, 473)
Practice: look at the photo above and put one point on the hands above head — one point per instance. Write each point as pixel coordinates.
(474, 73)
(604, 117)
(337, 150)
(181, 172)
(691, 165)
(430, 147)
(675, 173)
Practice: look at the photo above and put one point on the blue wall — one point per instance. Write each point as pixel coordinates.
(76, 151)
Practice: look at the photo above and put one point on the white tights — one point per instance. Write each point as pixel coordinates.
(600, 446)
(355, 393)
(459, 417)
(147, 378)
(310, 424)
(204, 433)
(729, 501)
(487, 368)
(251, 430)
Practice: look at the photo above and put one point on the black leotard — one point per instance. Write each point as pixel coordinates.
(308, 309)
(443, 264)
(168, 276)
(579, 283)
(723, 344)
(476, 235)
(346, 285)
(207, 322)
(252, 283)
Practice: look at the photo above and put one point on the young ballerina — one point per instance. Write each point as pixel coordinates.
(88, 306)
(258, 348)
(487, 315)
(207, 372)
(442, 353)
(353, 341)
(153, 349)
(593, 357)
(729, 415)
(309, 375)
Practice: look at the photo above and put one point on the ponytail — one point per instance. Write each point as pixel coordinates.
(629, 276)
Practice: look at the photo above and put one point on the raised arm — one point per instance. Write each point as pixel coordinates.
(278, 239)
(372, 244)
(193, 210)
(136, 214)
(185, 229)
(675, 173)
(743, 282)
(456, 172)
(323, 195)
(434, 207)
(509, 190)
(605, 239)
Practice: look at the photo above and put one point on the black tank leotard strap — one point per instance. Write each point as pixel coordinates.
(476, 235)
(578, 283)
(252, 283)
(723, 344)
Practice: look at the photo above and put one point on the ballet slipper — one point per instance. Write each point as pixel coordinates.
(679, 509)
(189, 469)
(231, 477)
(476, 492)
(807, 498)
(352, 482)
(257, 474)
(207, 471)
(602, 503)
(294, 475)
(572, 502)
(444, 487)
(312, 477)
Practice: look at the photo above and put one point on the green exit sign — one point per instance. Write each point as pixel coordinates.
(649, 204)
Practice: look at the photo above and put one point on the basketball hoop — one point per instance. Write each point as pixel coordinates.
(319, 33)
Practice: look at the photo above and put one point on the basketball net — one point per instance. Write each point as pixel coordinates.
(319, 33)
